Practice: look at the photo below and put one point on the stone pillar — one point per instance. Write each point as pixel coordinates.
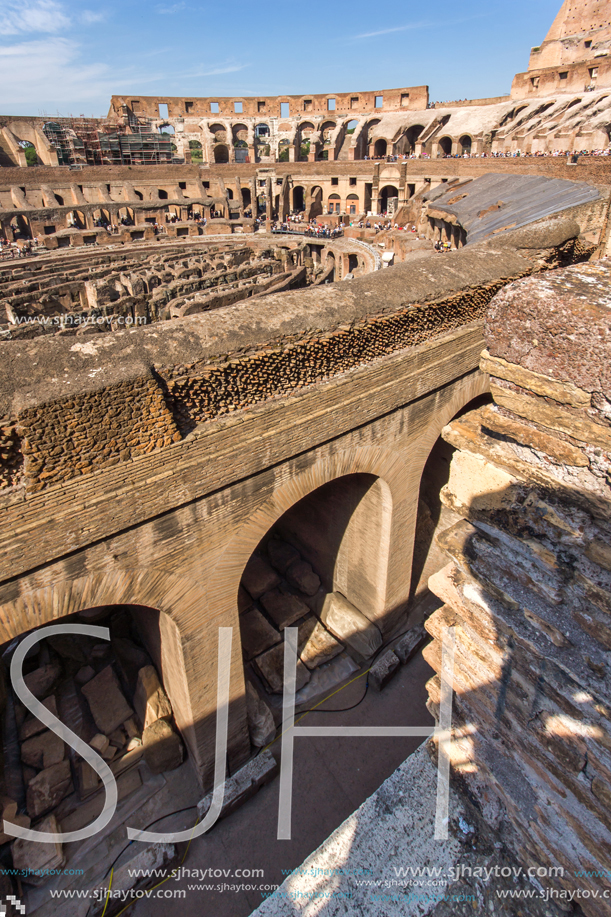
(527, 587)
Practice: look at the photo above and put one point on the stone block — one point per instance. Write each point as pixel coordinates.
(383, 670)
(257, 634)
(22, 821)
(84, 675)
(258, 577)
(316, 645)
(42, 680)
(409, 643)
(31, 857)
(131, 658)
(70, 646)
(87, 779)
(106, 701)
(163, 750)
(281, 554)
(557, 418)
(243, 785)
(32, 726)
(270, 666)
(284, 608)
(48, 788)
(350, 626)
(150, 700)
(43, 750)
(152, 860)
(563, 392)
(100, 743)
(261, 724)
(301, 575)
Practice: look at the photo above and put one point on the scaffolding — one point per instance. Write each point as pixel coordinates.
(97, 141)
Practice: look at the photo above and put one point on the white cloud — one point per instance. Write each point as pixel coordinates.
(89, 17)
(216, 71)
(411, 26)
(398, 28)
(174, 8)
(50, 70)
(18, 16)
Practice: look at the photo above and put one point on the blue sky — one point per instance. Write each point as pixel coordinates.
(60, 56)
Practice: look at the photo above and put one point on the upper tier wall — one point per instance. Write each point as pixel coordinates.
(406, 98)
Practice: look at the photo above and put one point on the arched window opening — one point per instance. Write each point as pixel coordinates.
(380, 148)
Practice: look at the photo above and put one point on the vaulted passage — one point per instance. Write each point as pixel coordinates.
(321, 568)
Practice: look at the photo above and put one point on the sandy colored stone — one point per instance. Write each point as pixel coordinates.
(163, 750)
(270, 666)
(600, 553)
(316, 645)
(150, 700)
(559, 450)
(106, 701)
(563, 392)
(100, 743)
(554, 418)
(350, 626)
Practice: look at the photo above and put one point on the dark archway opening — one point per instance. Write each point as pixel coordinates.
(389, 196)
(321, 568)
(298, 199)
(221, 153)
(380, 148)
(445, 145)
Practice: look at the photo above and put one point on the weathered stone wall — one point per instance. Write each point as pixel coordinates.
(118, 395)
(528, 587)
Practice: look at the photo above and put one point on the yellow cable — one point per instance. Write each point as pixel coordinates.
(329, 696)
(167, 878)
(108, 892)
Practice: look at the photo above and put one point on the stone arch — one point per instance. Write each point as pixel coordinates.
(298, 198)
(400, 470)
(221, 153)
(380, 147)
(334, 203)
(387, 194)
(379, 463)
(465, 142)
(183, 644)
(352, 204)
(445, 145)
(411, 136)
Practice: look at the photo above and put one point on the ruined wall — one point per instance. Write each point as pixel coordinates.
(409, 97)
(527, 590)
